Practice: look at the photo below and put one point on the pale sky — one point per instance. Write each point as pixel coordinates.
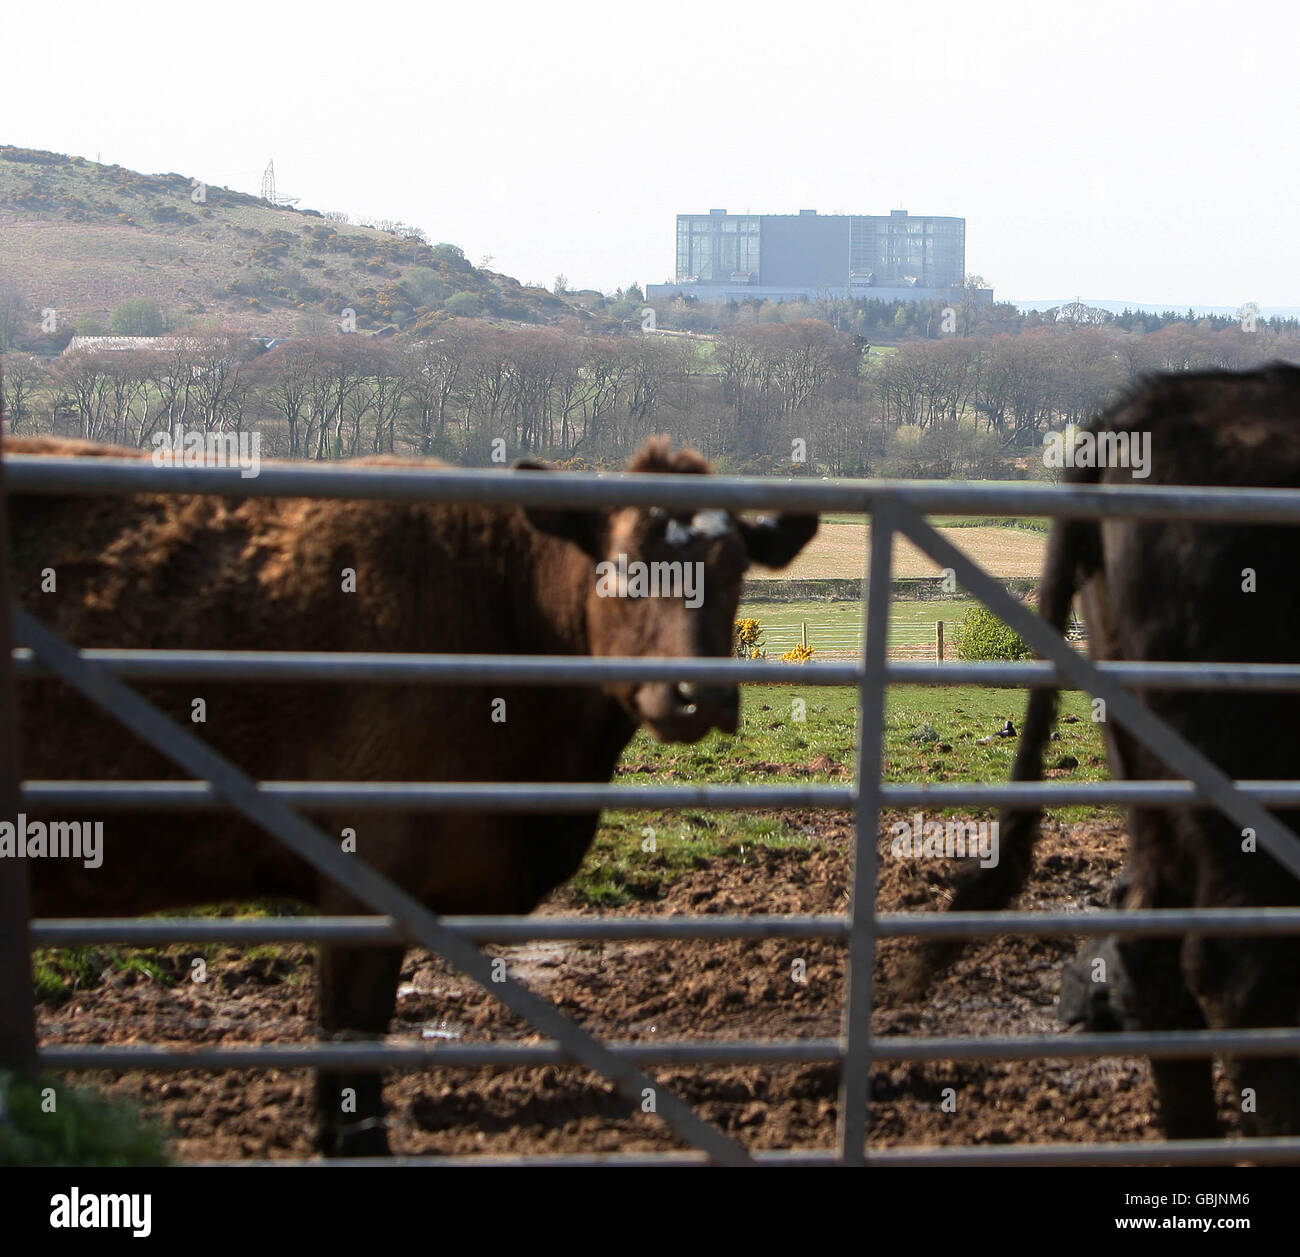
(1108, 150)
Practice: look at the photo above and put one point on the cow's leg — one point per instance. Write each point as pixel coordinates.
(358, 988)
(1249, 983)
(1155, 988)
(1253, 984)
(1184, 1088)
(1139, 985)
(1157, 995)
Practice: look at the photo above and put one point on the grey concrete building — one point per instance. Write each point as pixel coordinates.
(781, 257)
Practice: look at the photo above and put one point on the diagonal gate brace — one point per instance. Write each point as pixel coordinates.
(1212, 782)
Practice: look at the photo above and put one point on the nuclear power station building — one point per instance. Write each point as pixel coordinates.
(785, 257)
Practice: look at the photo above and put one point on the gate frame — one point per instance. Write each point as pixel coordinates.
(894, 509)
(18, 1025)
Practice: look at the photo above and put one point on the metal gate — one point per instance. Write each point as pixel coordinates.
(104, 676)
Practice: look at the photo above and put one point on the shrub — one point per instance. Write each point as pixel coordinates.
(138, 317)
(465, 305)
(799, 653)
(425, 286)
(748, 640)
(170, 214)
(981, 635)
(82, 1130)
(453, 256)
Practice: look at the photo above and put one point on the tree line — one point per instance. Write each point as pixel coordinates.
(898, 320)
(785, 398)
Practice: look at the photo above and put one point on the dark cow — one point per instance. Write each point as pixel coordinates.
(198, 572)
(1163, 590)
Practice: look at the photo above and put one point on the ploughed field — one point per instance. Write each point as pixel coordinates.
(791, 862)
(841, 546)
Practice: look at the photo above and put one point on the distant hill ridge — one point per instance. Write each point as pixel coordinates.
(82, 238)
(1116, 306)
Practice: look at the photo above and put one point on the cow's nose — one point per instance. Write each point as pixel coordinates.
(719, 704)
(689, 692)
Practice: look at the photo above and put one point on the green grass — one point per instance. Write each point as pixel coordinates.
(962, 715)
(932, 734)
(59, 971)
(773, 745)
(622, 866)
(769, 735)
(838, 625)
(1030, 523)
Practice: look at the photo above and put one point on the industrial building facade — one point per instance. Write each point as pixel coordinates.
(736, 257)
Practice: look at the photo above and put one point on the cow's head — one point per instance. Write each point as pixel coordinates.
(667, 584)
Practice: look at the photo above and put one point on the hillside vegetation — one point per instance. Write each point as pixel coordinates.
(83, 239)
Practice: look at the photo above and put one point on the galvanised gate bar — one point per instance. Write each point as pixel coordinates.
(105, 677)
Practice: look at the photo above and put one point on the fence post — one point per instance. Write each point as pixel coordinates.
(855, 1087)
(938, 641)
(17, 1016)
(803, 633)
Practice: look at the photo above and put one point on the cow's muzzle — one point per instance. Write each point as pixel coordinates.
(686, 712)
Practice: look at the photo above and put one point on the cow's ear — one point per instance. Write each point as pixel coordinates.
(586, 529)
(774, 542)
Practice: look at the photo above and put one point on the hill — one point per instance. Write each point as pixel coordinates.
(83, 238)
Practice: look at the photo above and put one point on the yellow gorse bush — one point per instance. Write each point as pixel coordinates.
(748, 640)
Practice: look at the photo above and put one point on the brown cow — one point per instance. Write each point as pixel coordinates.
(1165, 590)
(200, 572)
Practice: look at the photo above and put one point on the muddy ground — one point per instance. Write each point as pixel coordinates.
(641, 990)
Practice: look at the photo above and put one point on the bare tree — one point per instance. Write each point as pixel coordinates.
(82, 383)
(21, 377)
(433, 371)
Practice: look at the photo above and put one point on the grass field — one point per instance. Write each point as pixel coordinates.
(931, 734)
(773, 745)
(836, 627)
(1029, 523)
